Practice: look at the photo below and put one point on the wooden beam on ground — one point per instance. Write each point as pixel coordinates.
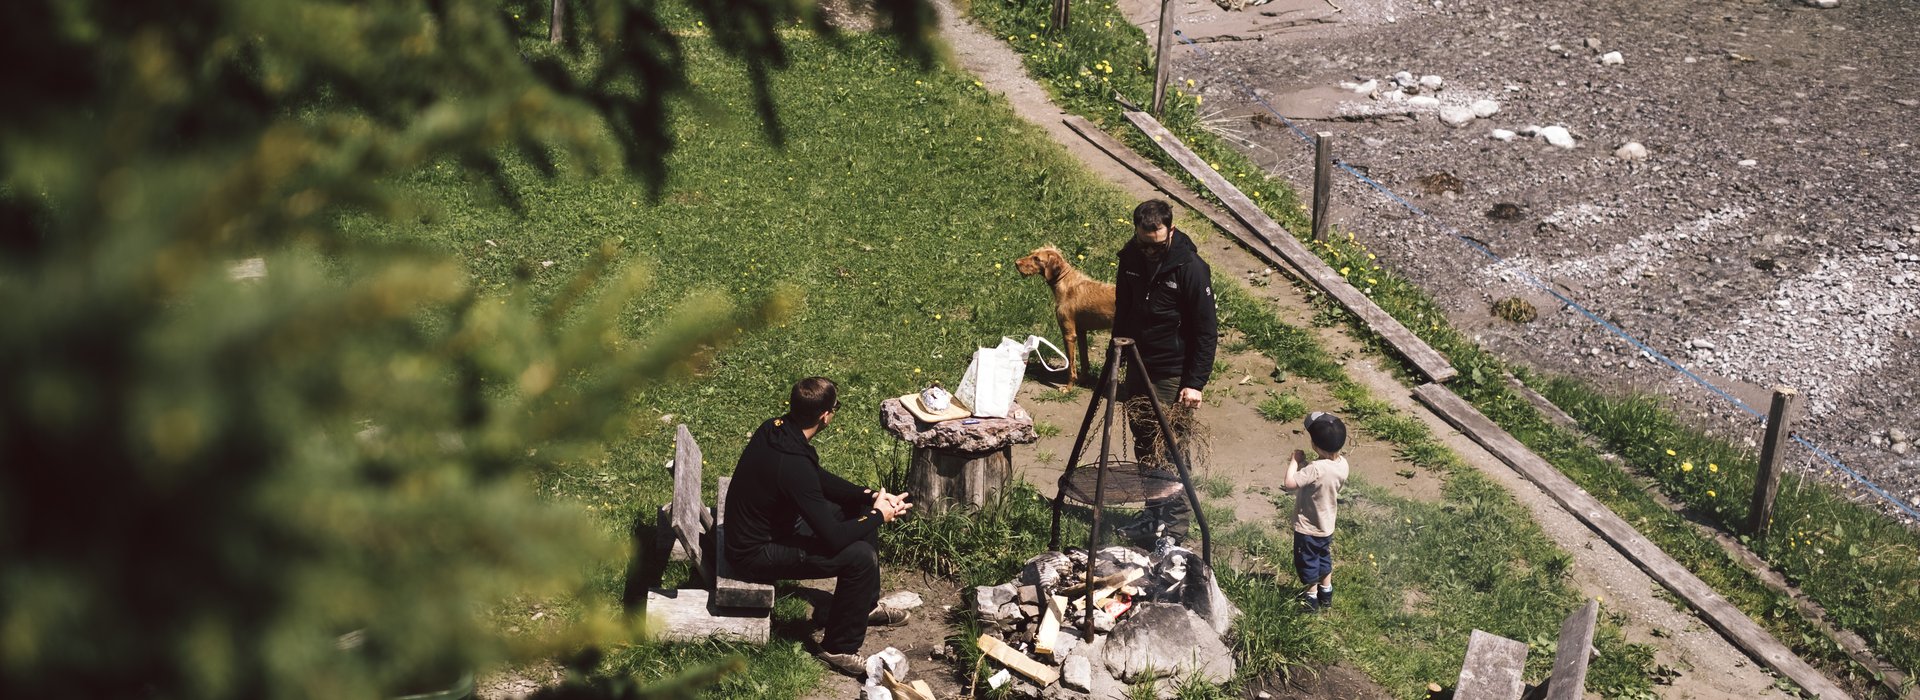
(1713, 608)
(687, 615)
(728, 591)
(1173, 187)
(925, 691)
(1572, 652)
(1017, 662)
(1492, 669)
(904, 690)
(1423, 357)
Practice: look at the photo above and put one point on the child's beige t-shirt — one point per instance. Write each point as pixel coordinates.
(1314, 501)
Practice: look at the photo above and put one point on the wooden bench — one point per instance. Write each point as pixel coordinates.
(1494, 664)
(725, 607)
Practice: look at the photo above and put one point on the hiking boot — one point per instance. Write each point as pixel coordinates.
(851, 665)
(884, 616)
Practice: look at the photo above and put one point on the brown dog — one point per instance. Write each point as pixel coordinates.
(1080, 303)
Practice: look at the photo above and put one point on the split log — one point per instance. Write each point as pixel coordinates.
(1049, 625)
(1017, 662)
(686, 615)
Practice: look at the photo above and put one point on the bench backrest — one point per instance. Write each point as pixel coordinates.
(687, 508)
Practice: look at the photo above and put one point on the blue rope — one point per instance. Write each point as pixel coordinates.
(1537, 283)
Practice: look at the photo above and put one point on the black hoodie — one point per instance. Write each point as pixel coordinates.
(1167, 309)
(779, 483)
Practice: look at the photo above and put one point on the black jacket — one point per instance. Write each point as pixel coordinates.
(779, 483)
(1167, 309)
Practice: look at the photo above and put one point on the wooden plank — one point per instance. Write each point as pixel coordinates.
(1714, 609)
(687, 504)
(1423, 357)
(1766, 483)
(925, 691)
(1049, 625)
(1571, 653)
(687, 615)
(1160, 64)
(1492, 669)
(1019, 663)
(728, 591)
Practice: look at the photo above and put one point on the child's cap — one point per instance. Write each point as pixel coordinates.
(1328, 432)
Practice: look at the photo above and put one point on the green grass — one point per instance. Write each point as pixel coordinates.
(1879, 602)
(1283, 408)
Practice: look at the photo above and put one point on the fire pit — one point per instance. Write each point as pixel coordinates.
(1152, 614)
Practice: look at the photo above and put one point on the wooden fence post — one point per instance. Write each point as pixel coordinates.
(1786, 404)
(1322, 181)
(1059, 20)
(1160, 66)
(556, 22)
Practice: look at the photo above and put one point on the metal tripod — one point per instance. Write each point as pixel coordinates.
(1134, 482)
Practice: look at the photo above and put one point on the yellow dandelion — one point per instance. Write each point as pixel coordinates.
(1713, 467)
(936, 317)
(1033, 36)
(1711, 494)
(1343, 272)
(1671, 453)
(1189, 82)
(1686, 466)
(916, 370)
(996, 266)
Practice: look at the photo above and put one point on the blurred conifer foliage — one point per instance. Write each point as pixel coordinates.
(318, 482)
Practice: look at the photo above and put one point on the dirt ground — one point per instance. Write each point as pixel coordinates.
(1769, 237)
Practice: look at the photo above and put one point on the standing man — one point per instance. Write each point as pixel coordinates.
(1164, 302)
(788, 518)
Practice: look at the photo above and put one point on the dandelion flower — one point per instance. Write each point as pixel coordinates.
(996, 266)
(1686, 466)
(1711, 494)
(1713, 467)
(1670, 453)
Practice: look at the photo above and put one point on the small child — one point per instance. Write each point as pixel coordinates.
(1316, 488)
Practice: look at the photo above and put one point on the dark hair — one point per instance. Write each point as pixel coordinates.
(1152, 214)
(1329, 434)
(812, 398)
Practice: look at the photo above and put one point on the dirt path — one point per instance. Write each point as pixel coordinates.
(1243, 443)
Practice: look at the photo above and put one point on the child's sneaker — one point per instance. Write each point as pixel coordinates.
(1310, 602)
(1326, 598)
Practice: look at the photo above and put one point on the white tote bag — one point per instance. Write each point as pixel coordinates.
(993, 377)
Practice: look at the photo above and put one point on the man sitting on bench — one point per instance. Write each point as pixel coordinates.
(788, 518)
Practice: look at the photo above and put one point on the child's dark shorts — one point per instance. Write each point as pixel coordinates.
(1312, 556)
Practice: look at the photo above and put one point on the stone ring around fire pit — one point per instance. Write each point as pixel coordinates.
(1155, 615)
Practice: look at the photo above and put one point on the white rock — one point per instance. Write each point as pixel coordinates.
(1612, 58)
(1423, 102)
(903, 600)
(1455, 116)
(1484, 108)
(1557, 135)
(1824, 4)
(1362, 88)
(1077, 673)
(1394, 96)
(1631, 151)
(1501, 135)
(1748, 163)
(1897, 435)
(1901, 448)
(1431, 82)
(1404, 79)
(1701, 343)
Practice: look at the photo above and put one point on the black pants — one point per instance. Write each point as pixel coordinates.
(856, 574)
(1174, 512)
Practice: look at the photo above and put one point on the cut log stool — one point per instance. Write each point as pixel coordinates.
(961, 462)
(943, 478)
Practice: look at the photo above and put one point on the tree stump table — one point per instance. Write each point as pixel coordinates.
(960, 461)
